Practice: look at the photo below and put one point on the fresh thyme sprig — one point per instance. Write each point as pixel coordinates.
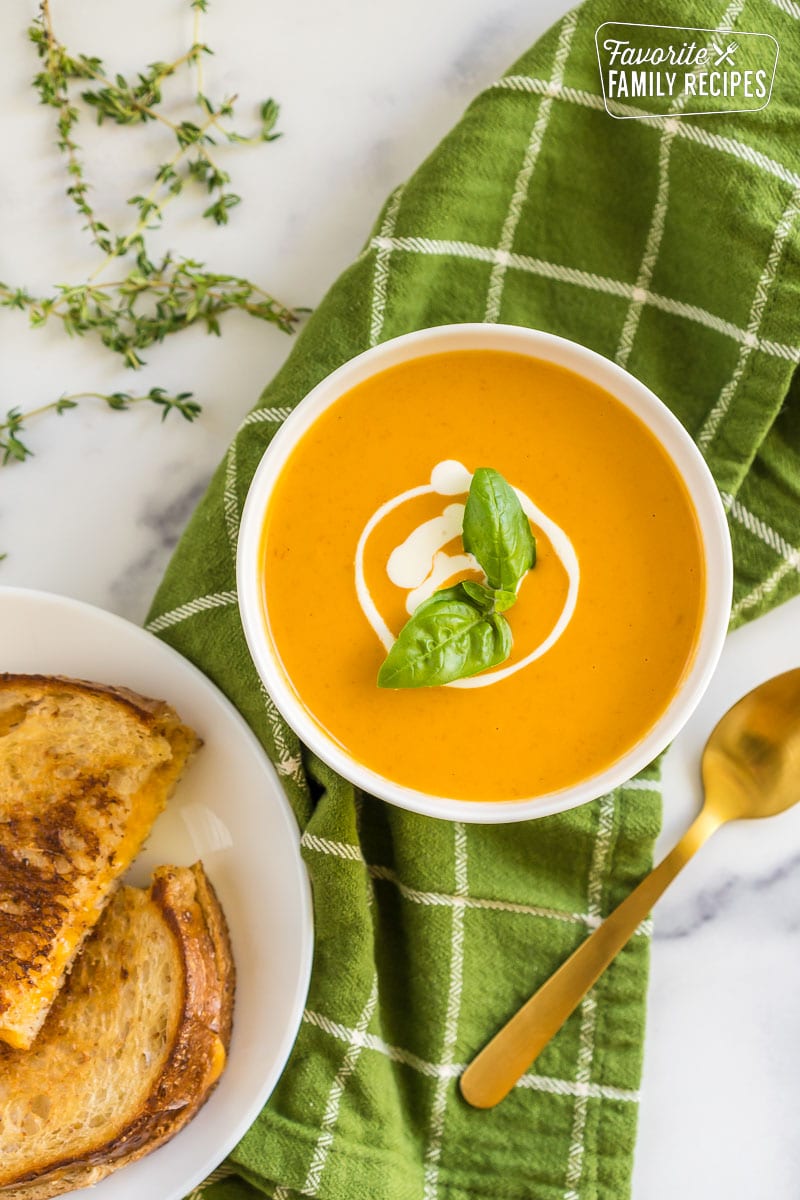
(151, 301)
(130, 103)
(150, 296)
(12, 447)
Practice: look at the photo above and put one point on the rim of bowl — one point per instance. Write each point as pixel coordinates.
(689, 464)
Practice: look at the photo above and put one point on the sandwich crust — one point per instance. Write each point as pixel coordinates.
(133, 1045)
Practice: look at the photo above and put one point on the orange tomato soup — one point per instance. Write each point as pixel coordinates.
(593, 468)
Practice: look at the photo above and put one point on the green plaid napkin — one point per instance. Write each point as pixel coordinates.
(672, 247)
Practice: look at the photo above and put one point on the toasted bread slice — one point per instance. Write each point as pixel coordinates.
(132, 1046)
(84, 772)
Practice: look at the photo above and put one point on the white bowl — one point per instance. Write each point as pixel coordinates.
(629, 391)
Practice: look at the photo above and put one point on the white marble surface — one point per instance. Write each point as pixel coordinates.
(367, 89)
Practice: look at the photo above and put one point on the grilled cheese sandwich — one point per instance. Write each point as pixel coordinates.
(84, 772)
(132, 1046)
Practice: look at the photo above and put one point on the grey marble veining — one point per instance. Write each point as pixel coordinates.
(774, 894)
(131, 591)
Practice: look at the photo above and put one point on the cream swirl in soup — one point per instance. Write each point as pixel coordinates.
(421, 564)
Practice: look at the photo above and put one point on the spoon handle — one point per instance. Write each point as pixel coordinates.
(494, 1071)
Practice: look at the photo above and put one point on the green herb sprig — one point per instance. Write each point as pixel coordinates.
(461, 630)
(150, 297)
(13, 448)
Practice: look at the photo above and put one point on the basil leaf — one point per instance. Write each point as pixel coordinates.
(483, 597)
(459, 630)
(487, 599)
(456, 592)
(447, 638)
(503, 600)
(497, 532)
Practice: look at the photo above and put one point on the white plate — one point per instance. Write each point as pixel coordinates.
(231, 811)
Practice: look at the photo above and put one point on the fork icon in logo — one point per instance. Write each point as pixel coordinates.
(724, 54)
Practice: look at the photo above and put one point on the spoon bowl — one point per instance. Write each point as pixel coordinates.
(751, 763)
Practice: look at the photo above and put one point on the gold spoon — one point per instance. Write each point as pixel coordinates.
(751, 768)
